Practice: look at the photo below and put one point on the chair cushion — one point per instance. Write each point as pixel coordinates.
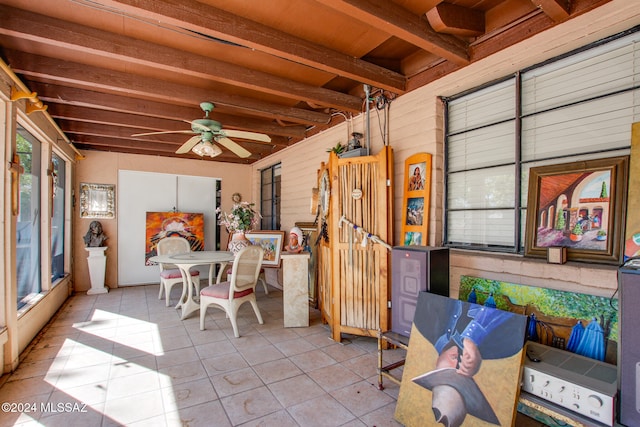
(174, 273)
(221, 290)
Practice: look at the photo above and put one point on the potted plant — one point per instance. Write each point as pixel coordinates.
(338, 149)
(602, 235)
(242, 218)
(576, 233)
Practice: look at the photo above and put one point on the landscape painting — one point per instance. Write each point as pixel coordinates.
(556, 318)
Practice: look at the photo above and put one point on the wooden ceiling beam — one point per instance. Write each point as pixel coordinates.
(558, 10)
(52, 70)
(208, 20)
(113, 47)
(462, 21)
(399, 22)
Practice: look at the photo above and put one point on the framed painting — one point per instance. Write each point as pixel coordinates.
(461, 382)
(272, 241)
(580, 206)
(165, 224)
(97, 200)
(417, 193)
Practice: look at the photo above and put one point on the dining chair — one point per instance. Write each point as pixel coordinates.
(240, 288)
(260, 278)
(170, 274)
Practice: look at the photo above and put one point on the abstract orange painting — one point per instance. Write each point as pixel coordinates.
(164, 224)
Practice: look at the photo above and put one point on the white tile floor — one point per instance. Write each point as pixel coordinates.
(124, 358)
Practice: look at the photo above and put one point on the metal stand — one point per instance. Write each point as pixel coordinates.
(398, 340)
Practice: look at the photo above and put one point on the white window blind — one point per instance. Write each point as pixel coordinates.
(576, 107)
(486, 106)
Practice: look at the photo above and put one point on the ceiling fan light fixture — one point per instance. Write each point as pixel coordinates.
(206, 148)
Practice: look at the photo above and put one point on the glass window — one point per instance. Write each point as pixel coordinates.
(57, 219)
(270, 197)
(576, 107)
(28, 227)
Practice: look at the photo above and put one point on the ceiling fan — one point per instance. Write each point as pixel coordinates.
(207, 131)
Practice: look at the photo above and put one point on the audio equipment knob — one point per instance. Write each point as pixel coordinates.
(594, 401)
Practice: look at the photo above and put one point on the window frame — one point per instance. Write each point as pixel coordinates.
(270, 217)
(520, 166)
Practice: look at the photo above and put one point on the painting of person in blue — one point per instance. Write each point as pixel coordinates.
(464, 334)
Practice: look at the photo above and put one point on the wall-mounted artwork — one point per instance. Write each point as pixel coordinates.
(579, 206)
(463, 365)
(412, 238)
(417, 191)
(165, 224)
(97, 200)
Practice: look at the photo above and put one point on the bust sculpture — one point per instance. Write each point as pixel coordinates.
(295, 241)
(95, 237)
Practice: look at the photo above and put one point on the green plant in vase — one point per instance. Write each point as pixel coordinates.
(602, 235)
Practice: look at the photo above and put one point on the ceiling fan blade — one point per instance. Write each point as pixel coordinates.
(168, 131)
(248, 135)
(232, 146)
(187, 146)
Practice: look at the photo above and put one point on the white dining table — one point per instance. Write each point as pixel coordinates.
(185, 262)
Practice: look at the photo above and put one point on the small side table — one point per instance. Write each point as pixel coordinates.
(295, 294)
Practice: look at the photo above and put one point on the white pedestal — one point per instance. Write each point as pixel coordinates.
(97, 261)
(295, 295)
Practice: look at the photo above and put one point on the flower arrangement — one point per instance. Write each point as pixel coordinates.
(242, 217)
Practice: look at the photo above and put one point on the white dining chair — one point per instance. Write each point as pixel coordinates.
(170, 274)
(240, 288)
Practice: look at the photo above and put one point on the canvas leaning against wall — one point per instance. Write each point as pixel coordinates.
(462, 366)
(165, 224)
(580, 323)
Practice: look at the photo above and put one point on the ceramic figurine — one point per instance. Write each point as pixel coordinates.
(295, 241)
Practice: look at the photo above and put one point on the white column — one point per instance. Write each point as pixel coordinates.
(295, 282)
(97, 268)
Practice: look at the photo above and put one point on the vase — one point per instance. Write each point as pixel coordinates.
(238, 242)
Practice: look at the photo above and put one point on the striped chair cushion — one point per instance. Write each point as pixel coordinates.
(221, 290)
(174, 273)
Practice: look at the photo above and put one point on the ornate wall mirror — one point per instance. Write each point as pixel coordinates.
(97, 200)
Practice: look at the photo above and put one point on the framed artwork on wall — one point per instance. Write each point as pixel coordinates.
(97, 200)
(579, 206)
(272, 241)
(417, 193)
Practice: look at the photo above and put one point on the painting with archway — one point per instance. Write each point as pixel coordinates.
(579, 206)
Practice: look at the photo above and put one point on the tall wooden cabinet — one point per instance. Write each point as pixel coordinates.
(356, 205)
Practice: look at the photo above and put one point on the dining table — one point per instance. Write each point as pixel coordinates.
(186, 261)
